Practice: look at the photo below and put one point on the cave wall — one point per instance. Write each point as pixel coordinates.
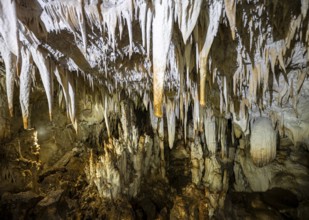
(162, 109)
(63, 173)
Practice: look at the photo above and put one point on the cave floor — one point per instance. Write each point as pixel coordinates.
(51, 183)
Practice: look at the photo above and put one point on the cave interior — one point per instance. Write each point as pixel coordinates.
(154, 109)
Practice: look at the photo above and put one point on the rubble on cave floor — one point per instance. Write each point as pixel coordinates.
(63, 190)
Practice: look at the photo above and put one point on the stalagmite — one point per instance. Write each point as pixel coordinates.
(263, 142)
(161, 36)
(25, 85)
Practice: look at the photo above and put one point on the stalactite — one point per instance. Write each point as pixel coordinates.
(223, 140)
(9, 25)
(148, 30)
(301, 77)
(187, 57)
(124, 121)
(210, 131)
(128, 15)
(63, 81)
(71, 95)
(196, 109)
(25, 85)
(294, 25)
(105, 112)
(188, 12)
(82, 23)
(10, 69)
(230, 9)
(153, 119)
(185, 116)
(161, 36)
(142, 21)
(45, 72)
(304, 8)
(93, 15)
(175, 61)
(225, 92)
(171, 122)
(215, 10)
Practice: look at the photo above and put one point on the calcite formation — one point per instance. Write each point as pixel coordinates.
(153, 51)
(263, 142)
(209, 88)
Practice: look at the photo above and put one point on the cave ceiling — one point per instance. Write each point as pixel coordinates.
(237, 59)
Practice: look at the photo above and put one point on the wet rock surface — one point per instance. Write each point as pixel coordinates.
(53, 172)
(89, 176)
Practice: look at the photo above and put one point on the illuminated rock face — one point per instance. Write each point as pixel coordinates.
(263, 142)
(236, 58)
(191, 91)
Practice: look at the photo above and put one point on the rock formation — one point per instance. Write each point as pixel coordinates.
(159, 109)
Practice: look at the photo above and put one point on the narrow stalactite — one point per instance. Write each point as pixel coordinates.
(230, 9)
(45, 72)
(215, 11)
(171, 122)
(25, 85)
(161, 36)
(10, 67)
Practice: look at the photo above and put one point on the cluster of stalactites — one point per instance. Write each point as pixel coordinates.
(21, 50)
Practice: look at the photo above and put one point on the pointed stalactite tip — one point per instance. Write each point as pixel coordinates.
(203, 84)
(75, 126)
(50, 116)
(202, 96)
(158, 110)
(202, 102)
(25, 122)
(11, 112)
